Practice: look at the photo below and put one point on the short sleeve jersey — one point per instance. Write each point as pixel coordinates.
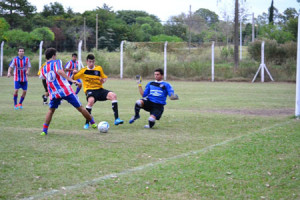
(157, 91)
(91, 77)
(58, 86)
(20, 67)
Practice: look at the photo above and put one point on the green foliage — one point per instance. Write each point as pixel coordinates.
(4, 26)
(42, 34)
(210, 17)
(273, 32)
(226, 52)
(17, 38)
(164, 38)
(274, 52)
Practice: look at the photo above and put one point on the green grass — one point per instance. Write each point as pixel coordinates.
(219, 141)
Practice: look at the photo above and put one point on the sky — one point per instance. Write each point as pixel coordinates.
(164, 9)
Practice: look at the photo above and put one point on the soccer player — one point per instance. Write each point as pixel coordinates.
(46, 95)
(59, 88)
(154, 98)
(93, 79)
(70, 67)
(21, 65)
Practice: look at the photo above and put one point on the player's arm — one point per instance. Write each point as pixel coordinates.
(139, 82)
(171, 93)
(63, 74)
(27, 71)
(103, 77)
(8, 72)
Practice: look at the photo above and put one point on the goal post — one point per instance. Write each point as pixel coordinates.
(80, 65)
(297, 108)
(1, 58)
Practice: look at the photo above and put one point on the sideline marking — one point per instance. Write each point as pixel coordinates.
(142, 167)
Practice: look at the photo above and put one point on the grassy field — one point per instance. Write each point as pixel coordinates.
(221, 140)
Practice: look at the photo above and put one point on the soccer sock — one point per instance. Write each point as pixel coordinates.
(115, 108)
(77, 90)
(137, 109)
(92, 121)
(89, 109)
(15, 99)
(45, 128)
(21, 100)
(151, 122)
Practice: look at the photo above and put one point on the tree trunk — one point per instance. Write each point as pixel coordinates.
(236, 35)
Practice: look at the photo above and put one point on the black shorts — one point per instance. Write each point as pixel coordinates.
(154, 108)
(45, 85)
(99, 95)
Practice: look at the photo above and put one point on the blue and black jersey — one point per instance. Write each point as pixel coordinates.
(157, 91)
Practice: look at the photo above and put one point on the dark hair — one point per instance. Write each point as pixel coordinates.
(74, 54)
(90, 57)
(159, 70)
(21, 48)
(49, 53)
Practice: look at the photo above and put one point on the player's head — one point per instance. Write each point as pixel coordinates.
(49, 53)
(21, 52)
(90, 60)
(158, 74)
(74, 56)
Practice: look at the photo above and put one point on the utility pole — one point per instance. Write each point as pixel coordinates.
(84, 37)
(253, 27)
(96, 31)
(190, 24)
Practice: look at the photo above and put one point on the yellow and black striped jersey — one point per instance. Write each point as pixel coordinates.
(39, 72)
(91, 77)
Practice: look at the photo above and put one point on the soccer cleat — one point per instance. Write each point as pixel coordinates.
(20, 106)
(94, 126)
(43, 134)
(86, 126)
(146, 126)
(45, 103)
(133, 118)
(118, 121)
(16, 107)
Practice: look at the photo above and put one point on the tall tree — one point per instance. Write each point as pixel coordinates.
(271, 13)
(17, 13)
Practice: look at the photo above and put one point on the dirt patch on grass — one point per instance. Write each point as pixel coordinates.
(255, 112)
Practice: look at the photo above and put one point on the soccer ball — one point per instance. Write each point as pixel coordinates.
(103, 127)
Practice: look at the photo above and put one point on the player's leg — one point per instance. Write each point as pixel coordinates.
(48, 120)
(87, 116)
(24, 88)
(17, 87)
(113, 98)
(90, 102)
(45, 96)
(137, 107)
(74, 101)
(78, 87)
(155, 114)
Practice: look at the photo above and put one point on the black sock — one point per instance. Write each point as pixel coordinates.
(137, 109)
(115, 109)
(151, 124)
(90, 111)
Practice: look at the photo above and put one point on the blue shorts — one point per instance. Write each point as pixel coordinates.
(19, 84)
(72, 99)
(78, 80)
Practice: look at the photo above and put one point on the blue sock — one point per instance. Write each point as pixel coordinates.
(92, 121)
(21, 100)
(77, 90)
(45, 128)
(15, 99)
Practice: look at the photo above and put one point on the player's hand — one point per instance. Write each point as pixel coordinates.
(174, 97)
(75, 71)
(138, 79)
(8, 75)
(103, 80)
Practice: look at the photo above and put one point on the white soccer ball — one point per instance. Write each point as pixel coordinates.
(103, 127)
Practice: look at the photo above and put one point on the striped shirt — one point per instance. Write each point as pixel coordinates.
(20, 67)
(71, 65)
(58, 86)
